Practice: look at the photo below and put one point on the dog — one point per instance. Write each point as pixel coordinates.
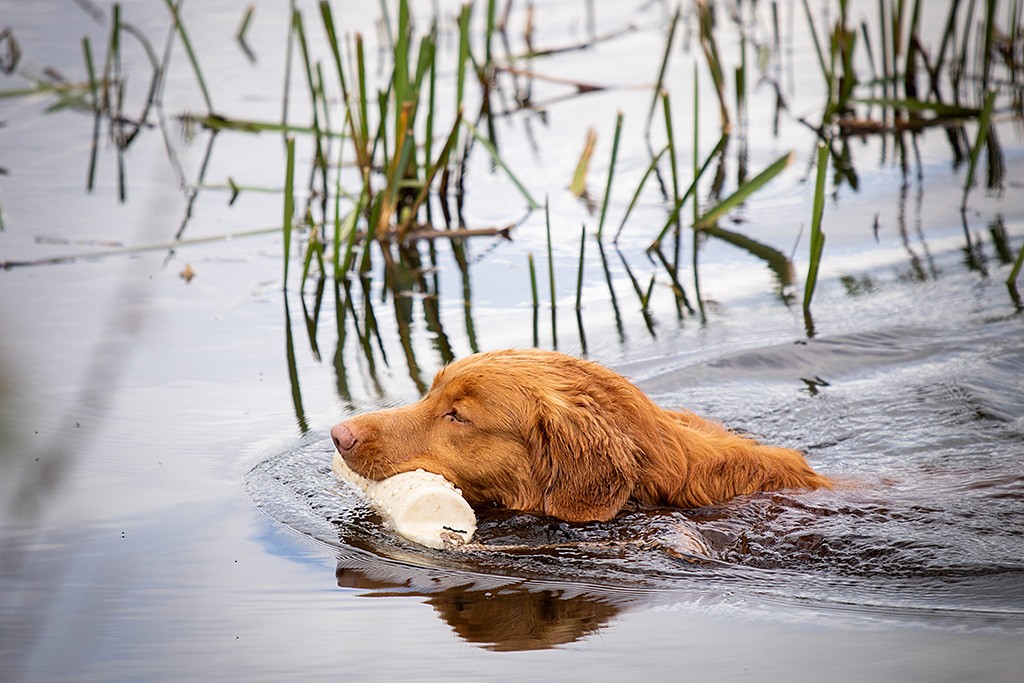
(555, 435)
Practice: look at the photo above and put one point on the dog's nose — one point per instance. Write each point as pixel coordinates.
(342, 437)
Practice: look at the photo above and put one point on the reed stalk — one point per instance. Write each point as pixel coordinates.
(1011, 279)
(90, 181)
(690, 191)
(673, 166)
(659, 85)
(533, 280)
(193, 60)
(744, 191)
(578, 186)
(984, 122)
(501, 163)
(579, 268)
(639, 188)
(551, 258)
(464, 53)
(611, 175)
(710, 47)
(289, 205)
(817, 236)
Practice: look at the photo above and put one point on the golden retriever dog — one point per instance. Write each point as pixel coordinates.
(555, 435)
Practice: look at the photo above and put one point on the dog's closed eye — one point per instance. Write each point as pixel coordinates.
(456, 417)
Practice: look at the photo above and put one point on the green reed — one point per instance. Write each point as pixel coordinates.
(743, 192)
(611, 175)
(289, 204)
(639, 188)
(551, 271)
(243, 27)
(579, 269)
(659, 85)
(673, 215)
(90, 182)
(817, 235)
(673, 167)
(714, 62)
(504, 167)
(391, 149)
(1011, 279)
(984, 122)
(193, 60)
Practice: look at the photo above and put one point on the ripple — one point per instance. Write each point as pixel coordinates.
(921, 427)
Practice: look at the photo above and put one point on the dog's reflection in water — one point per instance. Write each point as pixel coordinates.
(467, 589)
(504, 618)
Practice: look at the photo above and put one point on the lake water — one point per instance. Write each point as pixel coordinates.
(169, 510)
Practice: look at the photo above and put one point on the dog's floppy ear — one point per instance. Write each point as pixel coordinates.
(586, 467)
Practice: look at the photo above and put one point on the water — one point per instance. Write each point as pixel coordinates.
(169, 511)
(921, 529)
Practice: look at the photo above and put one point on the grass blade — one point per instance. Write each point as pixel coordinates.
(825, 71)
(611, 174)
(498, 160)
(244, 26)
(289, 205)
(551, 275)
(914, 105)
(533, 280)
(639, 188)
(183, 34)
(90, 182)
(664, 66)
(578, 186)
(441, 162)
(669, 132)
(551, 260)
(464, 53)
(355, 127)
(579, 271)
(537, 304)
(747, 189)
(817, 236)
(984, 121)
(707, 41)
(674, 215)
(1011, 280)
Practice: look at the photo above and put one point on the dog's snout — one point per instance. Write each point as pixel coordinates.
(342, 437)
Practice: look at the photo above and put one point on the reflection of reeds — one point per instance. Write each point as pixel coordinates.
(395, 154)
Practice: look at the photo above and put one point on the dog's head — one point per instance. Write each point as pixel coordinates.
(530, 430)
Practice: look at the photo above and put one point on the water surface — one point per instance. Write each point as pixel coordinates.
(169, 511)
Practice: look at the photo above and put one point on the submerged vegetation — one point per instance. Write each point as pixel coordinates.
(388, 149)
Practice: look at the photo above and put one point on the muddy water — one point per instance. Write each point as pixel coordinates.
(168, 507)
